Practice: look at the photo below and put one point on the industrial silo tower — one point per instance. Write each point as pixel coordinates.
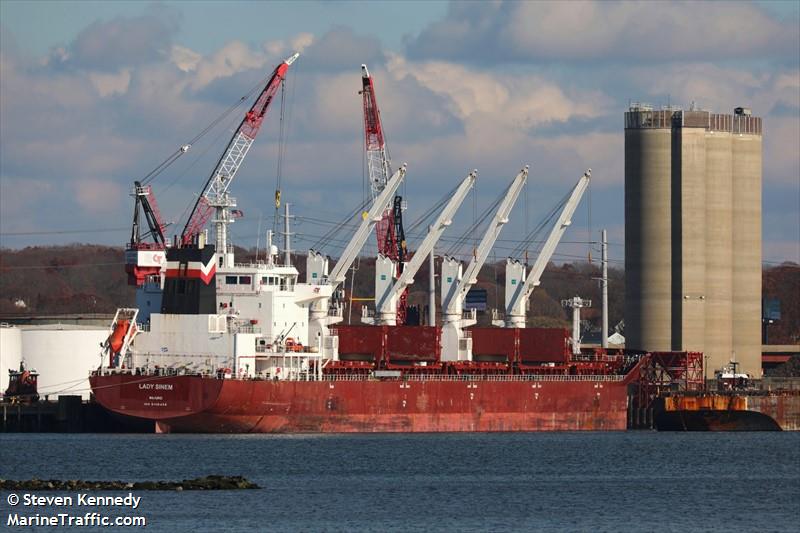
(693, 233)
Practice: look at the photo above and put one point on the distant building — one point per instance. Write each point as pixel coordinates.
(693, 233)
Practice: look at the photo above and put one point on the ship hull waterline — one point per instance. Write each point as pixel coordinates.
(195, 404)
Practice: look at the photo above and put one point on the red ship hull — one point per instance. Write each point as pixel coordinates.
(195, 404)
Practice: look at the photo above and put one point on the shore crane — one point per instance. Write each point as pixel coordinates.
(388, 289)
(519, 288)
(456, 284)
(389, 230)
(317, 264)
(214, 197)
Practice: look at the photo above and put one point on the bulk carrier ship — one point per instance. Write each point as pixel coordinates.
(218, 346)
(192, 368)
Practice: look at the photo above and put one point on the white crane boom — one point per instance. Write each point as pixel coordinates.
(317, 268)
(386, 294)
(520, 292)
(451, 306)
(375, 214)
(442, 222)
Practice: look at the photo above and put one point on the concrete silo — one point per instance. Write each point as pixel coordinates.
(693, 233)
(648, 204)
(719, 242)
(747, 240)
(688, 225)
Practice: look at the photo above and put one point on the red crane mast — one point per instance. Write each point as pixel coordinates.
(389, 231)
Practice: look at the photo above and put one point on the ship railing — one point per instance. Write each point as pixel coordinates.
(143, 246)
(478, 377)
(247, 328)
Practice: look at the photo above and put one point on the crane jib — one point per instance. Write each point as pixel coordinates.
(231, 159)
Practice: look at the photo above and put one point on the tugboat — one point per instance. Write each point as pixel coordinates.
(22, 386)
(729, 379)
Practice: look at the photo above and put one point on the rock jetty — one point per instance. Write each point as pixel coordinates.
(200, 483)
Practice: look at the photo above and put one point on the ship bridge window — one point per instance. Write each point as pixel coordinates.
(238, 280)
(269, 280)
(287, 283)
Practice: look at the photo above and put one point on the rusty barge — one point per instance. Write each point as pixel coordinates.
(753, 410)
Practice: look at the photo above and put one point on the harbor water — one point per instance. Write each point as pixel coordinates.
(626, 481)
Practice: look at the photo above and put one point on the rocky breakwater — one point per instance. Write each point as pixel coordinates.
(200, 483)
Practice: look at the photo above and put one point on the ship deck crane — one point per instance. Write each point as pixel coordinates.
(519, 288)
(387, 288)
(456, 285)
(143, 258)
(389, 230)
(215, 197)
(317, 264)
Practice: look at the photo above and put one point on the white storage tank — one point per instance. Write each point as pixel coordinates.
(10, 352)
(64, 356)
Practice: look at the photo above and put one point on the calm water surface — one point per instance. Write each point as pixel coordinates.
(634, 481)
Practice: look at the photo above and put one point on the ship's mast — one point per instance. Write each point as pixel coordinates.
(287, 236)
(604, 282)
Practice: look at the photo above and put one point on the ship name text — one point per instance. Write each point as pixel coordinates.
(156, 386)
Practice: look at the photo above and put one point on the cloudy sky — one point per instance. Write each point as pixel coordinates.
(94, 95)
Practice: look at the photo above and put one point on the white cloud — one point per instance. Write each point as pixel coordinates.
(232, 58)
(184, 58)
(302, 41)
(111, 84)
(583, 31)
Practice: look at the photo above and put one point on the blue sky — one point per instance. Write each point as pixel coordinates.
(95, 94)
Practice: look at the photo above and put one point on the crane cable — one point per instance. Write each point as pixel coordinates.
(469, 232)
(284, 129)
(432, 210)
(325, 239)
(153, 174)
(279, 169)
(541, 226)
(212, 144)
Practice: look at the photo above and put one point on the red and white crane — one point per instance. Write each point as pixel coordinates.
(215, 197)
(389, 230)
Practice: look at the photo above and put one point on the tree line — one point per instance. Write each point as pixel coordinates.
(84, 278)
